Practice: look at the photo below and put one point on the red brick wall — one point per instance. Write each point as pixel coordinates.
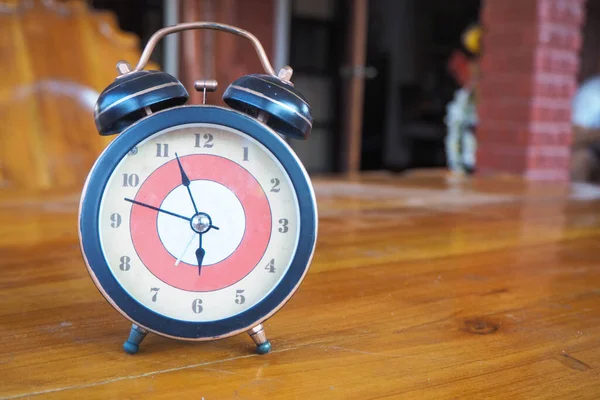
(529, 74)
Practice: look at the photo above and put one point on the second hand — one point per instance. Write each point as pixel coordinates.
(186, 249)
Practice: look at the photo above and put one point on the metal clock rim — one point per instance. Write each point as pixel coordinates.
(148, 319)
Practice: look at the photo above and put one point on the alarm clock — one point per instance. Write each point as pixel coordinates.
(198, 222)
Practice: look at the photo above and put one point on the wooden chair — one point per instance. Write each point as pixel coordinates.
(55, 59)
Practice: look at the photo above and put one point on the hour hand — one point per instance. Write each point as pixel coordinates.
(184, 178)
(200, 256)
(185, 181)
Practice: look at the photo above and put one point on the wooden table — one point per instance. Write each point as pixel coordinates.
(422, 286)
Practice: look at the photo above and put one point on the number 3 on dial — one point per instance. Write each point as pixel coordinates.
(284, 225)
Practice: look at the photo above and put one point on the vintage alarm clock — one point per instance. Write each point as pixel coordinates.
(198, 222)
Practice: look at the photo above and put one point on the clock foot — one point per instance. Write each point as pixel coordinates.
(136, 335)
(263, 346)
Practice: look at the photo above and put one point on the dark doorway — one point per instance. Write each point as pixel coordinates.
(409, 44)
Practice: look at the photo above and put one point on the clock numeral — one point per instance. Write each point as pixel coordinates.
(208, 137)
(271, 266)
(130, 180)
(197, 306)
(275, 183)
(245, 154)
(155, 290)
(284, 225)
(162, 150)
(239, 297)
(125, 263)
(133, 151)
(115, 220)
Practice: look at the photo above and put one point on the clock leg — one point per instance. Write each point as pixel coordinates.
(263, 346)
(136, 335)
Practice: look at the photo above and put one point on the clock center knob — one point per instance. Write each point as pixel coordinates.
(201, 222)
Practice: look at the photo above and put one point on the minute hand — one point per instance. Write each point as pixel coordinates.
(157, 209)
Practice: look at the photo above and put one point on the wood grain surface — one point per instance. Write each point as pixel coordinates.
(422, 286)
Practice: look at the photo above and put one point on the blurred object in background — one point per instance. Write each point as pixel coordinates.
(138, 17)
(411, 58)
(585, 157)
(461, 117)
(318, 33)
(461, 121)
(586, 105)
(56, 58)
(471, 39)
(585, 145)
(410, 44)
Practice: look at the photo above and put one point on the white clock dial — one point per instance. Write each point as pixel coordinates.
(237, 184)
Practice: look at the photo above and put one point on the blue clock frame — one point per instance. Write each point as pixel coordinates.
(90, 208)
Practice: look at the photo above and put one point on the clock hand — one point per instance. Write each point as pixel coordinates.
(185, 181)
(200, 255)
(157, 209)
(187, 246)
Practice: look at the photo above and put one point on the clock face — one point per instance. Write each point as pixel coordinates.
(199, 222)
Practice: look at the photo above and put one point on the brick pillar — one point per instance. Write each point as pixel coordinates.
(529, 74)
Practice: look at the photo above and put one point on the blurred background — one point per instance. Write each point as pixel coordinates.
(473, 86)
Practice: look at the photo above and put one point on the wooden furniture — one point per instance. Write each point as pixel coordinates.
(56, 58)
(354, 86)
(422, 286)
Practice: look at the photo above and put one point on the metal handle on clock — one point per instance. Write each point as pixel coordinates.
(260, 51)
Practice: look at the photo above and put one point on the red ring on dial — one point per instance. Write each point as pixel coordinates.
(144, 227)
